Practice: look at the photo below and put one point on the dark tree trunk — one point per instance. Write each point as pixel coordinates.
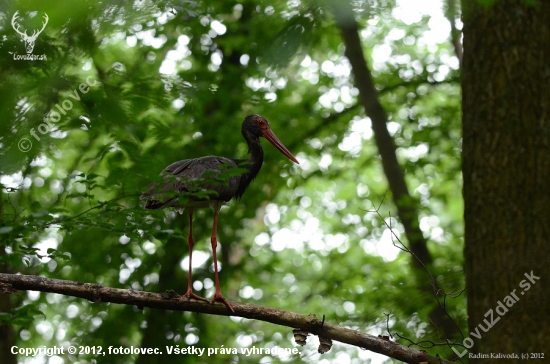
(506, 168)
(7, 332)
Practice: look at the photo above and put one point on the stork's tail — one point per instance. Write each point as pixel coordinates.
(152, 203)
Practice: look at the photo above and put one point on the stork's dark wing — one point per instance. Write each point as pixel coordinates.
(200, 179)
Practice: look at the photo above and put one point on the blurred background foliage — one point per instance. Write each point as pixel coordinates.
(172, 80)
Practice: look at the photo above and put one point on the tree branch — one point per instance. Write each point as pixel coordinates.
(171, 301)
(406, 206)
(456, 34)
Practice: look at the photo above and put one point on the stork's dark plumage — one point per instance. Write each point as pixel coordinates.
(184, 177)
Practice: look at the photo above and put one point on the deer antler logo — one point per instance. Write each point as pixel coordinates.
(28, 39)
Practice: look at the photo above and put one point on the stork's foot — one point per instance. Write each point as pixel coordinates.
(190, 295)
(218, 297)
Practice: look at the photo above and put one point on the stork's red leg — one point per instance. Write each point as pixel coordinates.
(218, 294)
(189, 294)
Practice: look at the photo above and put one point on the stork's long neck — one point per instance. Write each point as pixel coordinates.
(253, 163)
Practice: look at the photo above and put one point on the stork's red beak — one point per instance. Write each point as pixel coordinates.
(269, 135)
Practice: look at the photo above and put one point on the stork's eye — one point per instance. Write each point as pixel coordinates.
(262, 123)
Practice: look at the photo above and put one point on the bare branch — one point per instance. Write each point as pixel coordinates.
(437, 291)
(456, 34)
(171, 301)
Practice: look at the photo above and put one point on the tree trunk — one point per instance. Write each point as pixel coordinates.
(506, 168)
(7, 332)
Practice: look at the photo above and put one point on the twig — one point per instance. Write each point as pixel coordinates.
(436, 290)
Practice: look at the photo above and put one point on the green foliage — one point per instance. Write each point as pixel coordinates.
(22, 316)
(303, 238)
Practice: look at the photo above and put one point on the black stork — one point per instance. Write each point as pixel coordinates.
(179, 180)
